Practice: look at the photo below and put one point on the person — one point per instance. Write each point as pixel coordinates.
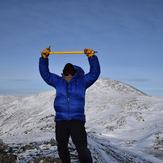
(69, 103)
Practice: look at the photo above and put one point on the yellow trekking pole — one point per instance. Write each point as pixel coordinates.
(66, 52)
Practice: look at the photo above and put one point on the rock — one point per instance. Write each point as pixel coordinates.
(5, 155)
(28, 147)
(3, 147)
(47, 160)
(8, 158)
(53, 142)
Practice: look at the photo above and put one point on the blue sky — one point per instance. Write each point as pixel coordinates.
(128, 35)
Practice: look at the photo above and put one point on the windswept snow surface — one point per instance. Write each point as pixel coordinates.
(123, 123)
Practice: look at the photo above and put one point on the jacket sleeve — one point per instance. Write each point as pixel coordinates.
(94, 72)
(48, 77)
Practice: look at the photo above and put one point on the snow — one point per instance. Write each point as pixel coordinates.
(123, 123)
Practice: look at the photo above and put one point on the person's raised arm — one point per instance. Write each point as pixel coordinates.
(94, 72)
(49, 78)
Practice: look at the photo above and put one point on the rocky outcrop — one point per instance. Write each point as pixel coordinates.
(35, 152)
(5, 154)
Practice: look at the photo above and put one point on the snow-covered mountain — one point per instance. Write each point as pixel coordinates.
(122, 122)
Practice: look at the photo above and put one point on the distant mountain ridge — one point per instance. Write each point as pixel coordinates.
(116, 85)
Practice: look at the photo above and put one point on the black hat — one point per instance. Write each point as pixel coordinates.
(69, 69)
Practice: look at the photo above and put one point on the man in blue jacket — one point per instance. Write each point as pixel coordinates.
(69, 103)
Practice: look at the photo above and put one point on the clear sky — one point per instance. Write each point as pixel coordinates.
(128, 35)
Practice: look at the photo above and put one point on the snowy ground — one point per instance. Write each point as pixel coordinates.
(123, 124)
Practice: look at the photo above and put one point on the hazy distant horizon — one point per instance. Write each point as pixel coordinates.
(39, 89)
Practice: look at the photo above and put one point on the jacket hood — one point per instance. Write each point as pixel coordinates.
(79, 71)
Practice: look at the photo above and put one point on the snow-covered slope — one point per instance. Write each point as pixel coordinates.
(128, 118)
(120, 118)
(26, 118)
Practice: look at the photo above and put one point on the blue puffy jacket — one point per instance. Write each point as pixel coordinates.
(70, 96)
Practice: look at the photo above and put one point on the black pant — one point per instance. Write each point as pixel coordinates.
(75, 129)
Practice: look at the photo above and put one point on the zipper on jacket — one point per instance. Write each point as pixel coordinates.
(68, 98)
